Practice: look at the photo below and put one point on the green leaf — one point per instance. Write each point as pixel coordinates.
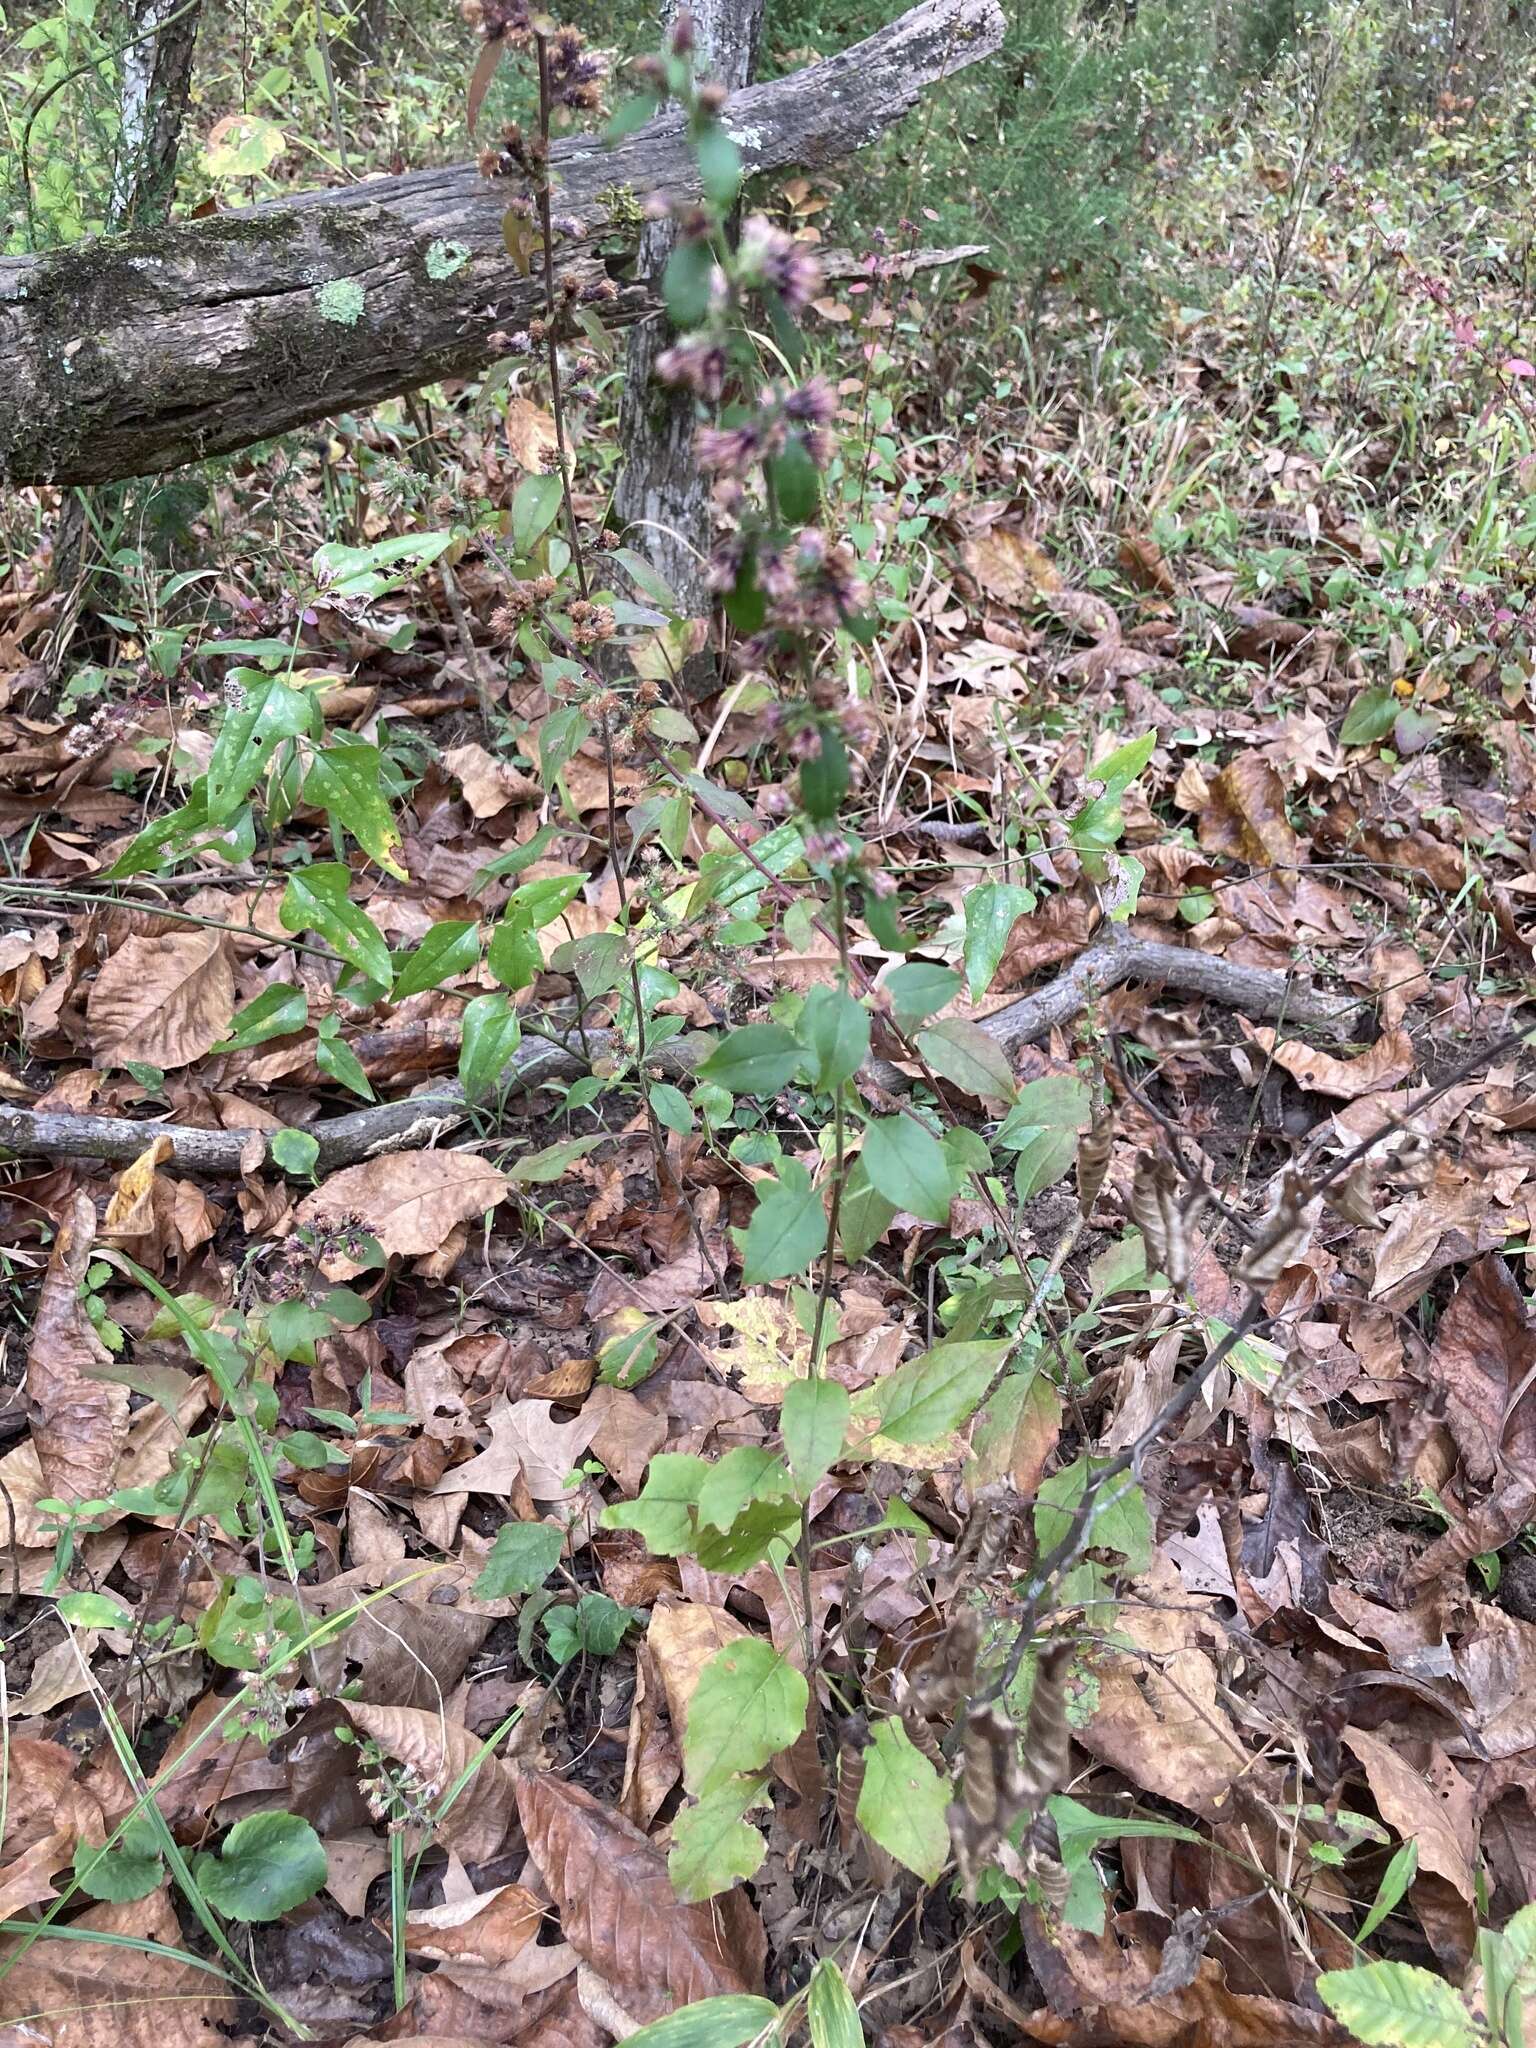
(919, 990)
(242, 146)
(961, 1052)
(763, 1527)
(748, 1705)
(833, 2016)
(834, 1029)
(130, 1869)
(712, 1846)
(448, 950)
(1042, 1129)
(709, 2023)
(629, 115)
(521, 1559)
(276, 1013)
(664, 1512)
(814, 1419)
(1119, 1521)
(316, 900)
(759, 1059)
(553, 1162)
(294, 1151)
(991, 912)
(335, 1057)
(902, 1803)
(686, 282)
(1120, 767)
(719, 162)
(594, 1627)
(1080, 1830)
(863, 1214)
(492, 1034)
(561, 734)
(747, 1473)
(796, 485)
(908, 1165)
(270, 1863)
(1370, 718)
(788, 1227)
(267, 712)
(535, 507)
(922, 1401)
(824, 777)
(94, 1610)
(1395, 1880)
(1397, 2005)
(345, 779)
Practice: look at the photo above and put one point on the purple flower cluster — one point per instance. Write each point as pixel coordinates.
(768, 259)
(576, 74)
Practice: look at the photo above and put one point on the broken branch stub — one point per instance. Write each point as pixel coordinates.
(132, 355)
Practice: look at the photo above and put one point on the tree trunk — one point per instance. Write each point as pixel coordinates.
(131, 355)
(662, 492)
(152, 102)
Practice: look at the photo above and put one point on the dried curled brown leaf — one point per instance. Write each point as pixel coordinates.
(619, 1912)
(164, 1000)
(85, 1994)
(438, 1753)
(409, 1201)
(79, 1423)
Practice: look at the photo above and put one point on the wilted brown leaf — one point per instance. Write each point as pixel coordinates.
(130, 1211)
(1390, 1060)
(84, 1994)
(79, 1423)
(1428, 1801)
(1245, 816)
(440, 1752)
(619, 1912)
(409, 1201)
(164, 1000)
(490, 1928)
(530, 435)
(489, 785)
(1008, 568)
(1483, 1352)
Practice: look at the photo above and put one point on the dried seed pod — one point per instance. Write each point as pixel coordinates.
(1047, 1736)
(1284, 1234)
(850, 1777)
(1050, 1873)
(1355, 1199)
(923, 1737)
(994, 1510)
(950, 1673)
(1164, 1216)
(1093, 1150)
(1196, 1472)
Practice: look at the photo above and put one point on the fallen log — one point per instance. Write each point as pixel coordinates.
(131, 355)
(417, 1121)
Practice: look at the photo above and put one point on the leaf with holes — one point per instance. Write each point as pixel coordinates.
(265, 712)
(712, 1844)
(317, 899)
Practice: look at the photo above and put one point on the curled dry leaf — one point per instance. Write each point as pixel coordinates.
(530, 435)
(440, 1752)
(85, 1994)
(1431, 1803)
(1390, 1060)
(409, 1201)
(526, 1440)
(79, 1423)
(619, 1912)
(164, 1001)
(130, 1210)
(1483, 1354)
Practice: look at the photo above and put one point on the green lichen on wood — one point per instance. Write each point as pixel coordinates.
(340, 300)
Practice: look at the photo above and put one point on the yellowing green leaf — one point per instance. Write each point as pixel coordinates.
(902, 1803)
(749, 1704)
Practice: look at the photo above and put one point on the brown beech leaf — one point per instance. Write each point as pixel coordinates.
(1431, 1802)
(79, 1422)
(164, 1001)
(439, 1752)
(490, 1928)
(682, 1640)
(1484, 1348)
(619, 1912)
(85, 1994)
(1390, 1060)
(1245, 815)
(409, 1201)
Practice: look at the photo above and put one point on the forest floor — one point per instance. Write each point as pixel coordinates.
(1282, 577)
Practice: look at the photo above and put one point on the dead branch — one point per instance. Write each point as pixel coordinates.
(416, 1121)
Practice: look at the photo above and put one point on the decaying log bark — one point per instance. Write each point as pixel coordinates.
(129, 356)
(421, 1120)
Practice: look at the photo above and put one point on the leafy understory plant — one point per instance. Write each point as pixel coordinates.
(1400, 2005)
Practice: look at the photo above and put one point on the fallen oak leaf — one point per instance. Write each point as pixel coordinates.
(619, 1912)
(526, 1440)
(165, 1001)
